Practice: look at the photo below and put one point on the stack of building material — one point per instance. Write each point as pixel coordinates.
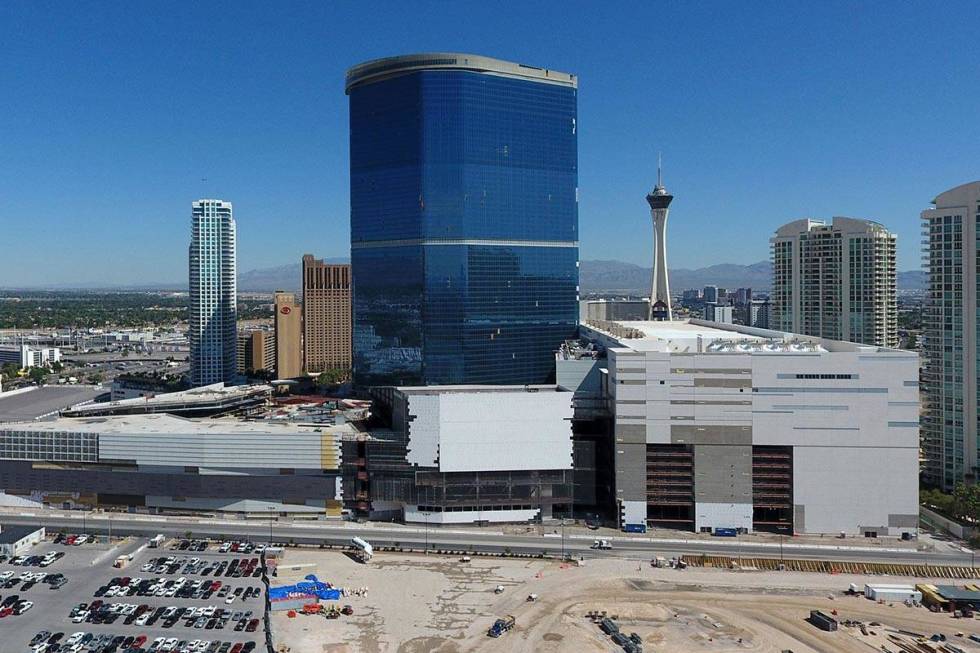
(931, 596)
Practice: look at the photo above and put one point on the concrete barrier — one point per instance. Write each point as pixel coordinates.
(946, 524)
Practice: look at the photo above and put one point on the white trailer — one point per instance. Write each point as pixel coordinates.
(156, 541)
(881, 592)
(364, 550)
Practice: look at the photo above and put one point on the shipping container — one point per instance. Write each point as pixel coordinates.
(635, 528)
(822, 621)
(725, 532)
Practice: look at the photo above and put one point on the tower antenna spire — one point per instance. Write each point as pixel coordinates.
(660, 177)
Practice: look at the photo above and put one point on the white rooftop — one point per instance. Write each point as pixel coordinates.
(697, 336)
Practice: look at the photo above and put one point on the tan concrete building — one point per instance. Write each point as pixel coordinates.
(326, 315)
(256, 351)
(289, 347)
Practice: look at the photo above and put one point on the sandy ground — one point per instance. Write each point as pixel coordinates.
(418, 604)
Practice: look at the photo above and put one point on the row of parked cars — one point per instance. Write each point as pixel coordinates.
(30, 579)
(240, 546)
(234, 568)
(180, 588)
(71, 539)
(208, 617)
(34, 561)
(14, 605)
(190, 545)
(47, 642)
(225, 546)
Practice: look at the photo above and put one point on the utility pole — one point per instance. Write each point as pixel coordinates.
(563, 538)
(425, 514)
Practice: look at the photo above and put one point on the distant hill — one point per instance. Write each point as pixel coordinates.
(617, 276)
(282, 277)
(594, 276)
(911, 280)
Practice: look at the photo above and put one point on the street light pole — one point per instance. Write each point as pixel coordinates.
(425, 514)
(562, 538)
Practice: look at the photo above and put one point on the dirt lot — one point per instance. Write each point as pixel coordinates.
(416, 604)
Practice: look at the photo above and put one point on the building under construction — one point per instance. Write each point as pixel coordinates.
(458, 454)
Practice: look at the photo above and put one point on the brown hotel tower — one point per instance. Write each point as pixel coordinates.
(326, 315)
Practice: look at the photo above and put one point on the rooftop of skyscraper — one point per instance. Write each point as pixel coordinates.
(378, 69)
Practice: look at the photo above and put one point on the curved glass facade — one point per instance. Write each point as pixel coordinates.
(464, 227)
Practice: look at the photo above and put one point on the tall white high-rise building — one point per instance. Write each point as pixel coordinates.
(659, 201)
(949, 343)
(213, 293)
(835, 281)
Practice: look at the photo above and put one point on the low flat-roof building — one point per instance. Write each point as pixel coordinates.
(163, 462)
(727, 426)
(15, 540)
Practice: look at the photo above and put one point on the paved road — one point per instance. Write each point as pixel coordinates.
(494, 542)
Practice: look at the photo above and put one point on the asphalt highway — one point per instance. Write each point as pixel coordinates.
(638, 547)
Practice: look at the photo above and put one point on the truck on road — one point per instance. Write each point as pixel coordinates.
(501, 626)
(603, 545)
(156, 541)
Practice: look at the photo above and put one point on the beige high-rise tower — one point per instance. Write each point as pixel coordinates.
(326, 315)
(835, 281)
(289, 348)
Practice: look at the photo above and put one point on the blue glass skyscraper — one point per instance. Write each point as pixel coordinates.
(464, 219)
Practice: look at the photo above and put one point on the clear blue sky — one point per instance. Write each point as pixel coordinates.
(111, 113)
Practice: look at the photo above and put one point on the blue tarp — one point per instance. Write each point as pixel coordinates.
(311, 585)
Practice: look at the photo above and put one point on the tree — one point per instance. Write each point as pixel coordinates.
(96, 378)
(37, 375)
(965, 503)
(57, 366)
(263, 375)
(125, 352)
(10, 370)
(332, 377)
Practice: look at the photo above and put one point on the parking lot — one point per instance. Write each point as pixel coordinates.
(159, 600)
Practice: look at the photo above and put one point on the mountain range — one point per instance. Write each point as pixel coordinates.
(605, 276)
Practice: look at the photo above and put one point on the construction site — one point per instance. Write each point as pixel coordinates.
(415, 603)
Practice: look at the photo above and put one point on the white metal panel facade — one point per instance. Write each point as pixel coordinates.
(491, 431)
(219, 450)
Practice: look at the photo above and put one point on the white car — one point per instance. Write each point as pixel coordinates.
(230, 599)
(6, 575)
(23, 607)
(79, 618)
(74, 639)
(171, 644)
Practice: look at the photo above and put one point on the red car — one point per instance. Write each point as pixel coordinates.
(252, 625)
(139, 641)
(6, 611)
(70, 539)
(236, 648)
(215, 585)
